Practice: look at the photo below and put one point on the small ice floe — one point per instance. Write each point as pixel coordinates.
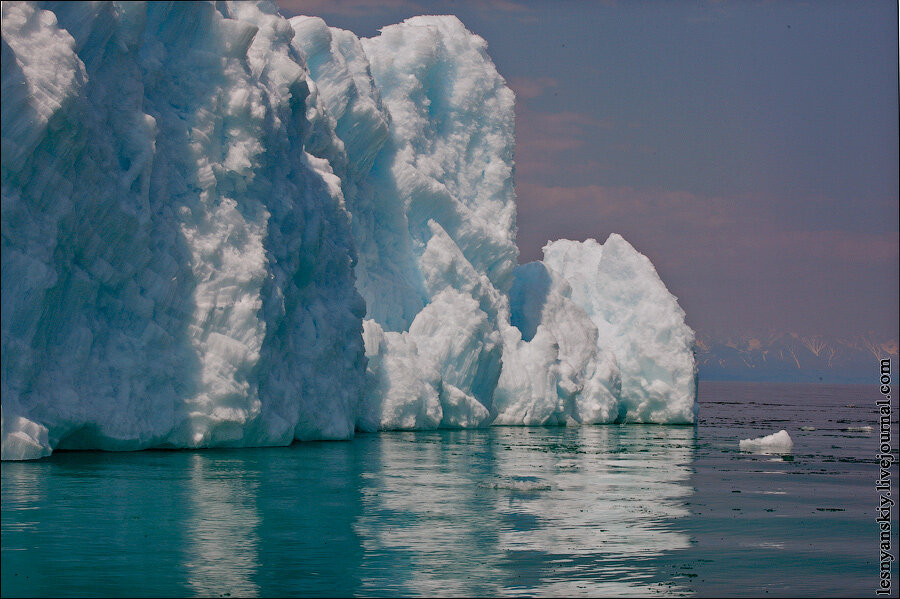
(807, 428)
(779, 442)
(859, 429)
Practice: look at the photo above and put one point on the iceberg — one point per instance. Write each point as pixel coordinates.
(224, 228)
(779, 442)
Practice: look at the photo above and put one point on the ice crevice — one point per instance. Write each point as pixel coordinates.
(221, 227)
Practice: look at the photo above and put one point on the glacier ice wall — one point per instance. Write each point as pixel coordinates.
(224, 228)
(177, 269)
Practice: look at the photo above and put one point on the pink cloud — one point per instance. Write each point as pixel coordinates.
(343, 7)
(356, 8)
(503, 5)
(845, 246)
(738, 238)
(543, 139)
(531, 87)
(731, 260)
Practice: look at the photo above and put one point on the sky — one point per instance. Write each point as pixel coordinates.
(749, 149)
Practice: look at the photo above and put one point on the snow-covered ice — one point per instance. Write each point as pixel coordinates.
(224, 228)
(779, 442)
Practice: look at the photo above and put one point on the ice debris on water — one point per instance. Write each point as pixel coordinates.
(859, 429)
(779, 442)
(224, 228)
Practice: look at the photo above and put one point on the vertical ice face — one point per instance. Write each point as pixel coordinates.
(638, 320)
(450, 156)
(346, 102)
(37, 88)
(310, 305)
(352, 104)
(223, 228)
(177, 270)
(432, 208)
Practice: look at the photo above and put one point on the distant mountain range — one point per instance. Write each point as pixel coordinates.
(793, 357)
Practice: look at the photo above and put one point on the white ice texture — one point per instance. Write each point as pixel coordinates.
(224, 228)
(779, 442)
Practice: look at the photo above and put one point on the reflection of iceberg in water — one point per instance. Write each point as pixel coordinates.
(500, 511)
(222, 528)
(581, 511)
(426, 528)
(613, 494)
(308, 500)
(95, 524)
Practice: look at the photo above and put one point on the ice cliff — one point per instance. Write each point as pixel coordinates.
(224, 228)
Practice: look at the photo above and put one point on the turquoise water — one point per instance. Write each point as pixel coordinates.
(600, 510)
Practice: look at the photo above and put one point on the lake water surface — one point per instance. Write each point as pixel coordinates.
(595, 510)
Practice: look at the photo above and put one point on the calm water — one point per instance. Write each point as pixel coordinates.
(601, 510)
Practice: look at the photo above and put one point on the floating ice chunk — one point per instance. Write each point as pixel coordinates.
(779, 442)
(520, 484)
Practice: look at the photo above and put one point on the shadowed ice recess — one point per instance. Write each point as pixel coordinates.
(222, 228)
